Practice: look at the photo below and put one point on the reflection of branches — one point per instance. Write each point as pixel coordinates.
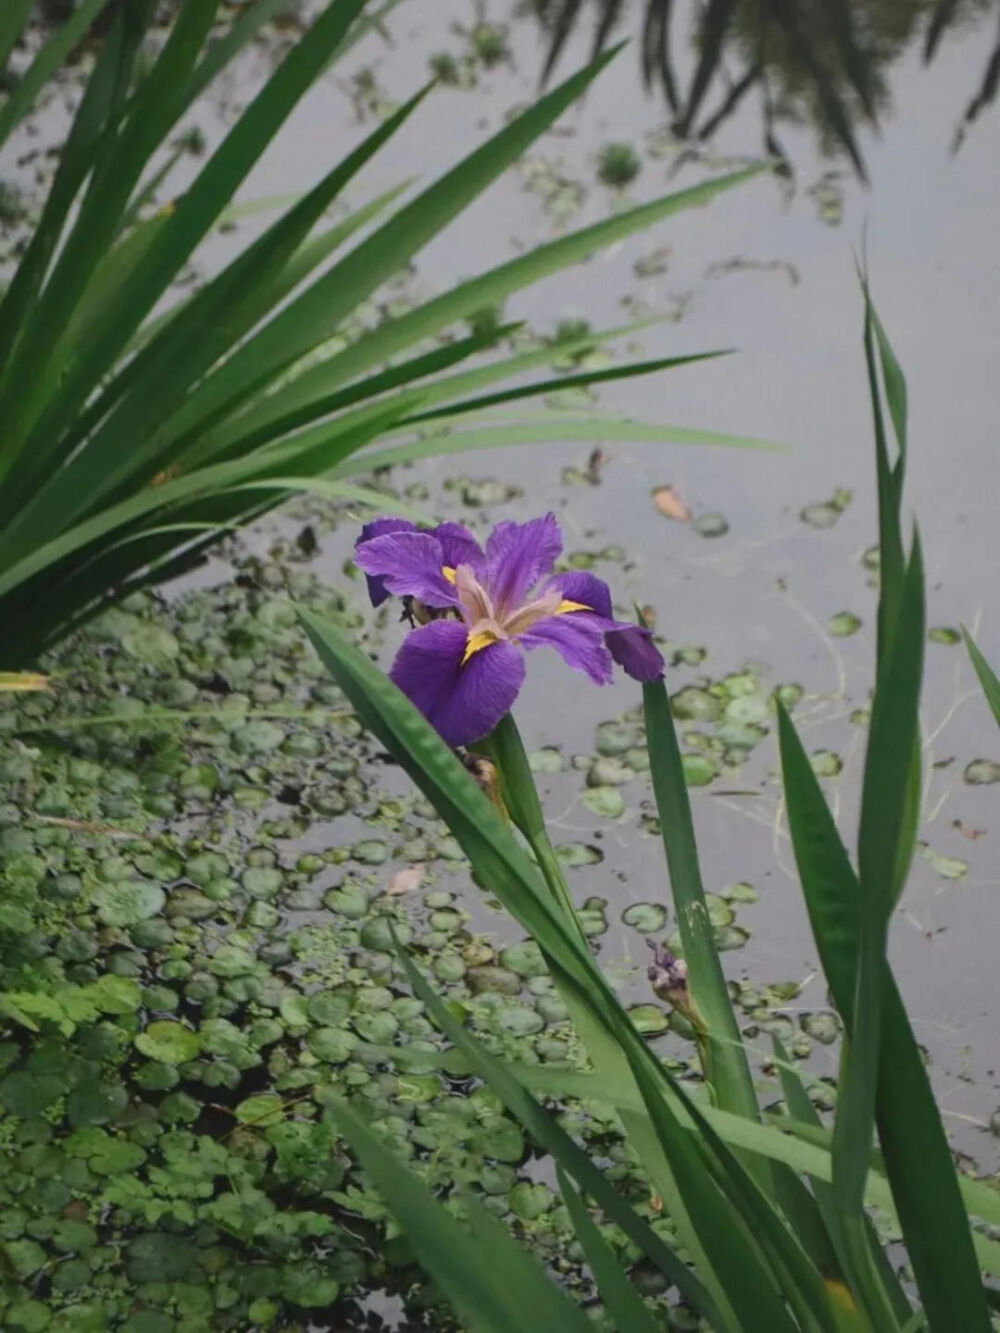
(822, 61)
(986, 94)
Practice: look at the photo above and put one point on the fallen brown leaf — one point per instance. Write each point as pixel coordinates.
(670, 504)
(405, 880)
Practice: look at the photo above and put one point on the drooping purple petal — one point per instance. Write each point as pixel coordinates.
(464, 702)
(518, 555)
(459, 546)
(633, 648)
(378, 527)
(410, 565)
(579, 638)
(586, 589)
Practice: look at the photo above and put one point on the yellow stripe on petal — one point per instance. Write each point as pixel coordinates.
(565, 607)
(476, 642)
(448, 572)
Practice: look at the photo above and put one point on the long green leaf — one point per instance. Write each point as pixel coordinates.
(882, 856)
(493, 1285)
(918, 1161)
(154, 108)
(987, 676)
(306, 398)
(199, 207)
(632, 370)
(545, 1130)
(315, 315)
(554, 428)
(876, 1285)
(49, 59)
(396, 722)
(13, 18)
(892, 557)
(215, 320)
(727, 1068)
(496, 285)
(95, 118)
(743, 1275)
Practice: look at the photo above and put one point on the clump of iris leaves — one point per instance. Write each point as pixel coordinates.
(212, 1123)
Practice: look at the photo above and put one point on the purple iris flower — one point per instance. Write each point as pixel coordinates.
(463, 669)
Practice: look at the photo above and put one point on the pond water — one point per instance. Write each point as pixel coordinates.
(764, 583)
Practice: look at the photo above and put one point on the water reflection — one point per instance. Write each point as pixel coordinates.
(824, 63)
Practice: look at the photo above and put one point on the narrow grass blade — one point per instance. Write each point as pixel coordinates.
(314, 392)
(13, 18)
(493, 1285)
(621, 1300)
(216, 319)
(198, 209)
(520, 796)
(497, 284)
(631, 370)
(419, 367)
(204, 484)
(889, 474)
(597, 428)
(49, 59)
(153, 107)
(220, 52)
(94, 116)
(987, 676)
(315, 315)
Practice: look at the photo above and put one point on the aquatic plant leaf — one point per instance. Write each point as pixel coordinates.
(169, 1042)
(124, 902)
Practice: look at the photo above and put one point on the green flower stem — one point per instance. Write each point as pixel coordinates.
(517, 787)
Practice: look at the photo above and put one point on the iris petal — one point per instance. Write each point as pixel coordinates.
(410, 565)
(518, 555)
(464, 702)
(586, 589)
(459, 546)
(377, 590)
(633, 648)
(579, 638)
